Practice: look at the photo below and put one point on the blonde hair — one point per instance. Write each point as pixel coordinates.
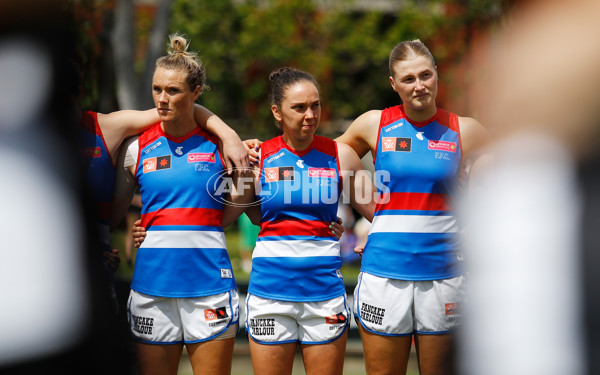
(409, 49)
(178, 58)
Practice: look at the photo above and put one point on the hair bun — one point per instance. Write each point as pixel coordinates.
(278, 73)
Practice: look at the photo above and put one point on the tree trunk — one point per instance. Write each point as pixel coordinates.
(134, 90)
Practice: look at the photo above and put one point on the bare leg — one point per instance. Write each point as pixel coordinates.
(435, 354)
(158, 359)
(385, 354)
(272, 359)
(325, 359)
(211, 357)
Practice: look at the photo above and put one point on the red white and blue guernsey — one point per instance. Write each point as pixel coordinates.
(99, 172)
(296, 258)
(184, 253)
(414, 234)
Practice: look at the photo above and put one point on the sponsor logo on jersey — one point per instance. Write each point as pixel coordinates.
(299, 163)
(91, 152)
(214, 314)
(196, 157)
(157, 163)
(394, 127)
(279, 174)
(442, 146)
(335, 319)
(321, 172)
(151, 148)
(451, 308)
(396, 144)
(275, 157)
(178, 150)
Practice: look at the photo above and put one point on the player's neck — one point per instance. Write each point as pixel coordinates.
(178, 128)
(416, 115)
(297, 144)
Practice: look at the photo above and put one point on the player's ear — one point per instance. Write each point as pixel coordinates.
(276, 113)
(392, 83)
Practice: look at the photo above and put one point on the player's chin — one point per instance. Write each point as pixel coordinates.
(309, 130)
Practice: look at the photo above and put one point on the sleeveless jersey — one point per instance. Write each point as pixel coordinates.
(296, 258)
(184, 252)
(414, 233)
(99, 172)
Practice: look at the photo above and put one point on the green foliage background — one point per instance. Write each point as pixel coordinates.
(347, 49)
(345, 46)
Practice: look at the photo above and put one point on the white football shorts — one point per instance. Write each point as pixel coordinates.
(166, 320)
(402, 307)
(277, 322)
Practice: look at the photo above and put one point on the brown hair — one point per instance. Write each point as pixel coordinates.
(179, 58)
(409, 49)
(282, 78)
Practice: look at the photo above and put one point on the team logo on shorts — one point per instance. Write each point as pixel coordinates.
(396, 144)
(157, 163)
(451, 308)
(214, 314)
(335, 319)
(279, 174)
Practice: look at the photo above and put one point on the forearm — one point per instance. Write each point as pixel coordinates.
(212, 123)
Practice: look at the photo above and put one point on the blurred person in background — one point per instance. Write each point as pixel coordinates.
(532, 238)
(412, 282)
(54, 316)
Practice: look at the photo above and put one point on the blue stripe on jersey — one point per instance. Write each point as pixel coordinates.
(174, 176)
(287, 212)
(311, 278)
(187, 182)
(178, 272)
(418, 158)
(308, 278)
(416, 250)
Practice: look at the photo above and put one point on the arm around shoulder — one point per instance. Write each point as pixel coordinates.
(234, 152)
(361, 135)
(126, 123)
